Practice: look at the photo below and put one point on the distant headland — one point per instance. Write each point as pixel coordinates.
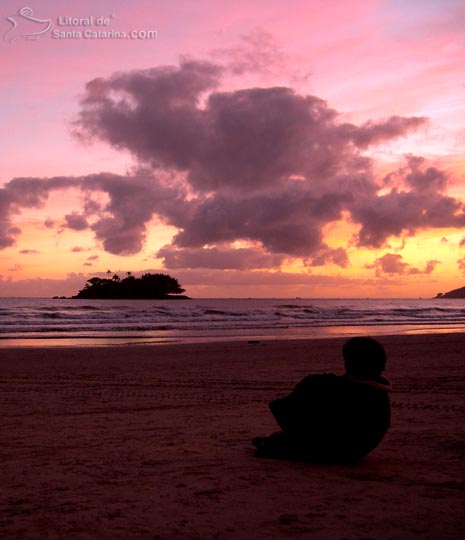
(147, 287)
(455, 293)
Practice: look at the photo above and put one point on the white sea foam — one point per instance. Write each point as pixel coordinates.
(212, 319)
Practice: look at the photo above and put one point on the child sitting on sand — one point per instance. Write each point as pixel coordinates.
(330, 418)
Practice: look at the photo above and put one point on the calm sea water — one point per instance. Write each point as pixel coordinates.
(36, 321)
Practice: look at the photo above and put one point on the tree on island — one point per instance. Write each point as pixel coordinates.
(148, 286)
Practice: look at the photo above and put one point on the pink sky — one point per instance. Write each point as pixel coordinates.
(371, 61)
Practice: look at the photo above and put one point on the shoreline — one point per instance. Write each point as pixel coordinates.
(40, 323)
(326, 333)
(148, 442)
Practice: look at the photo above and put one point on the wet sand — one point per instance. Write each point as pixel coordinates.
(153, 442)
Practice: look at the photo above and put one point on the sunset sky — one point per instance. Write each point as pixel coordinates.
(250, 149)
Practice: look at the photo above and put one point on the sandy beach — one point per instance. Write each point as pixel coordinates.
(153, 442)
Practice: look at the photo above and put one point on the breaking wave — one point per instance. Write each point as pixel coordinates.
(23, 318)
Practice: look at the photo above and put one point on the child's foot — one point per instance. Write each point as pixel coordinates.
(259, 442)
(271, 446)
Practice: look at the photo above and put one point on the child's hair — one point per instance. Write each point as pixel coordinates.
(364, 358)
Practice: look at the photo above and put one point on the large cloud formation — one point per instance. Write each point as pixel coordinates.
(266, 167)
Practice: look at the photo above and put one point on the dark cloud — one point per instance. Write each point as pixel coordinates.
(461, 264)
(423, 178)
(231, 258)
(91, 207)
(29, 252)
(391, 263)
(133, 202)
(120, 225)
(265, 164)
(430, 266)
(242, 140)
(404, 212)
(268, 166)
(220, 258)
(421, 204)
(327, 255)
(153, 113)
(76, 222)
(25, 193)
(287, 221)
(372, 132)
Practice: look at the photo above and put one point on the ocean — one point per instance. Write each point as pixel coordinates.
(52, 322)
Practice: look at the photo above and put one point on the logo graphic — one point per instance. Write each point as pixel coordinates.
(25, 23)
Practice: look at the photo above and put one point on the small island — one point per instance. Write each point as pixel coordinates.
(455, 293)
(147, 287)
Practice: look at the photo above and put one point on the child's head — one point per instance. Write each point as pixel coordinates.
(364, 358)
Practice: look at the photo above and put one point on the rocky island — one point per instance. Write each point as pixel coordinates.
(455, 293)
(147, 287)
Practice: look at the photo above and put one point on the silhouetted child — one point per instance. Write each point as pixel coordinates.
(330, 418)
